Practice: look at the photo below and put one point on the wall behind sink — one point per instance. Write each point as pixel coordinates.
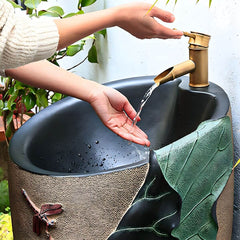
(121, 55)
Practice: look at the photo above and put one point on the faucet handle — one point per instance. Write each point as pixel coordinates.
(191, 35)
(198, 39)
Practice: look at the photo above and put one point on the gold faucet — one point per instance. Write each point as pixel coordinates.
(197, 65)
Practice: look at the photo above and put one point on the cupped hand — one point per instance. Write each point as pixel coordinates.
(136, 19)
(117, 113)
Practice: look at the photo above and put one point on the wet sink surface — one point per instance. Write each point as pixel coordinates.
(68, 138)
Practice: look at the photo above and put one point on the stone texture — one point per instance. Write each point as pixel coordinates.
(93, 205)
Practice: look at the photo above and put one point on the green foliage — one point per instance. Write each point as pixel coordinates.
(210, 2)
(16, 98)
(4, 197)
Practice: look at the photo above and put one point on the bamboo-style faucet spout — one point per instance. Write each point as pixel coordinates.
(197, 65)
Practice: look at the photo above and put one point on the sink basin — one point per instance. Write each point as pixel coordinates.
(64, 154)
(67, 138)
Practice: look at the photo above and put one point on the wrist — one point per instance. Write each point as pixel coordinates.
(119, 15)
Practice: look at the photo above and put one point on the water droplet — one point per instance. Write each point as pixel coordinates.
(79, 154)
(89, 146)
(97, 142)
(104, 159)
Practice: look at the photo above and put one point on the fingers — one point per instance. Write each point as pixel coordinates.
(168, 17)
(130, 111)
(164, 33)
(132, 133)
(162, 15)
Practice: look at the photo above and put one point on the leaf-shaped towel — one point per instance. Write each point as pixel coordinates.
(198, 167)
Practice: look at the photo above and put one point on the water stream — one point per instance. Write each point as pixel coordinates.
(145, 98)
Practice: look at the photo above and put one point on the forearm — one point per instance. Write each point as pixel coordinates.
(77, 27)
(45, 75)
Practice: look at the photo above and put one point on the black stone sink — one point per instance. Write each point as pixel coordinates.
(68, 139)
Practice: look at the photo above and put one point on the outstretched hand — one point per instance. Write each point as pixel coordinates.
(117, 113)
(136, 19)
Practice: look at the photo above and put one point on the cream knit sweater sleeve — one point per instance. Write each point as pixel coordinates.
(23, 40)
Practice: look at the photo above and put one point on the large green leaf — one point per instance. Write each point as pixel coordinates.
(29, 101)
(42, 100)
(74, 49)
(33, 4)
(198, 167)
(85, 3)
(54, 11)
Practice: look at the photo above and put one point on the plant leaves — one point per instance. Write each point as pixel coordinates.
(14, 4)
(32, 4)
(29, 101)
(198, 167)
(85, 3)
(74, 14)
(56, 97)
(92, 55)
(4, 197)
(1, 107)
(9, 118)
(41, 96)
(11, 101)
(54, 11)
(74, 49)
(102, 32)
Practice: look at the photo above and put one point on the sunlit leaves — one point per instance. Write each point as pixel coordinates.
(32, 4)
(14, 4)
(210, 2)
(74, 49)
(54, 11)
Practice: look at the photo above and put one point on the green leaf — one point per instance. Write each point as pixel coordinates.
(54, 11)
(41, 96)
(74, 49)
(1, 107)
(9, 118)
(85, 3)
(32, 4)
(79, 4)
(92, 55)
(8, 132)
(102, 32)
(74, 14)
(4, 197)
(210, 2)
(56, 97)
(14, 4)
(11, 101)
(198, 167)
(19, 86)
(29, 101)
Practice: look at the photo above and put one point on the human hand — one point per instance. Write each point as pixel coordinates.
(135, 19)
(116, 113)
